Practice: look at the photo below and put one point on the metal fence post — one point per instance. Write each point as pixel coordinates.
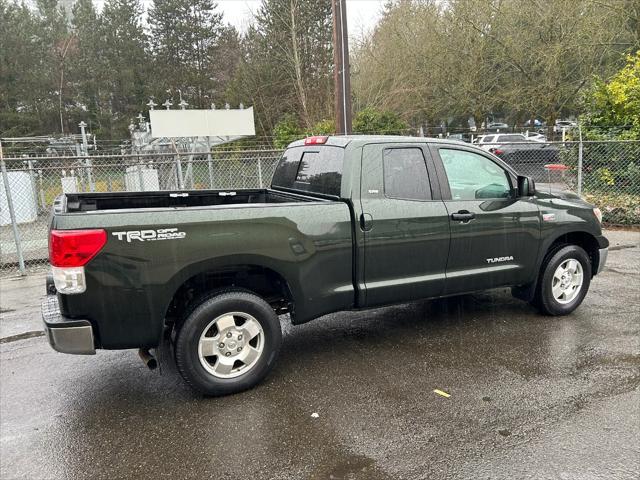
(92, 185)
(209, 163)
(189, 176)
(259, 171)
(88, 163)
(140, 174)
(178, 166)
(42, 198)
(579, 160)
(81, 185)
(179, 171)
(34, 185)
(12, 214)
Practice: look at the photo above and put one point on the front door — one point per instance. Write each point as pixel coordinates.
(494, 233)
(404, 223)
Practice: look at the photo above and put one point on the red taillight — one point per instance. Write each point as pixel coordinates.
(74, 248)
(496, 151)
(316, 140)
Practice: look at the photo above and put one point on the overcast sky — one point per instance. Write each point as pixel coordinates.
(362, 15)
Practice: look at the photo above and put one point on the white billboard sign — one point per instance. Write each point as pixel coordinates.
(202, 123)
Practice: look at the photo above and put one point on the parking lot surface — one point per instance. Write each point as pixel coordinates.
(352, 397)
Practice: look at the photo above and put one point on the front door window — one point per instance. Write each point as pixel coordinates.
(474, 177)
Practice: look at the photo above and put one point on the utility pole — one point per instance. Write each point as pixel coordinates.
(341, 77)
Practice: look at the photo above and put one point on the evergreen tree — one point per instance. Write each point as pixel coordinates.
(57, 47)
(287, 63)
(185, 42)
(86, 72)
(21, 85)
(124, 63)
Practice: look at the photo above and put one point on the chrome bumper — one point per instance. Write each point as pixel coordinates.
(66, 335)
(603, 254)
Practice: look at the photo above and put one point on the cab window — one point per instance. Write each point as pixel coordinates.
(317, 170)
(405, 174)
(472, 176)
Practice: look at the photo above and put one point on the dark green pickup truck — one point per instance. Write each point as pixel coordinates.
(349, 223)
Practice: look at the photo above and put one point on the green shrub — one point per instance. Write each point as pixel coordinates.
(617, 208)
(612, 107)
(378, 122)
(286, 131)
(323, 127)
(605, 176)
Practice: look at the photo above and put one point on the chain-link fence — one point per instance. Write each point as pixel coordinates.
(605, 173)
(33, 184)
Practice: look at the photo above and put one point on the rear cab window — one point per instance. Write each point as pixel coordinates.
(316, 169)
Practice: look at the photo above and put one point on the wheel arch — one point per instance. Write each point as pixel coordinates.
(586, 240)
(195, 282)
(582, 238)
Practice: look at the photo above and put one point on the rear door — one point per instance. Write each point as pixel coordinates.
(404, 223)
(494, 234)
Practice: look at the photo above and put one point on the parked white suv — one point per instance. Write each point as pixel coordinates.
(486, 142)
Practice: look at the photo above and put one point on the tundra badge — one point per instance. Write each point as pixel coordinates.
(500, 259)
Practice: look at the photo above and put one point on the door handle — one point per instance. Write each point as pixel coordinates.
(366, 222)
(463, 216)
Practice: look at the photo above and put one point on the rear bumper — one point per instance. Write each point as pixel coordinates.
(66, 335)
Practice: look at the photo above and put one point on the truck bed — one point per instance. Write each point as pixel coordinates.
(131, 282)
(87, 202)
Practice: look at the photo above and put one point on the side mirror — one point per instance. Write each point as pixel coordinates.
(526, 186)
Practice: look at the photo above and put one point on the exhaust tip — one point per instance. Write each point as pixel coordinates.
(148, 359)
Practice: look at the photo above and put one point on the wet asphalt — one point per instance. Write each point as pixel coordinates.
(530, 397)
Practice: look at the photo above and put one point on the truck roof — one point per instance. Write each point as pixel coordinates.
(358, 140)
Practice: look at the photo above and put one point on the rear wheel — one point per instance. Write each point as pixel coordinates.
(228, 343)
(564, 281)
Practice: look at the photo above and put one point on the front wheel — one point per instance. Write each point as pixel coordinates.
(228, 343)
(564, 281)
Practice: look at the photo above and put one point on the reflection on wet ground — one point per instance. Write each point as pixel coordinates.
(531, 396)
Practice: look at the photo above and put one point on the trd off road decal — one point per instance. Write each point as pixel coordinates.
(150, 235)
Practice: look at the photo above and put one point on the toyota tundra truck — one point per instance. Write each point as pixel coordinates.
(349, 222)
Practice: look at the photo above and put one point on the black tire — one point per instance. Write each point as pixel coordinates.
(544, 298)
(188, 337)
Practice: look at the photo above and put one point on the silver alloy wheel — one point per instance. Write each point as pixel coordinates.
(231, 345)
(567, 281)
